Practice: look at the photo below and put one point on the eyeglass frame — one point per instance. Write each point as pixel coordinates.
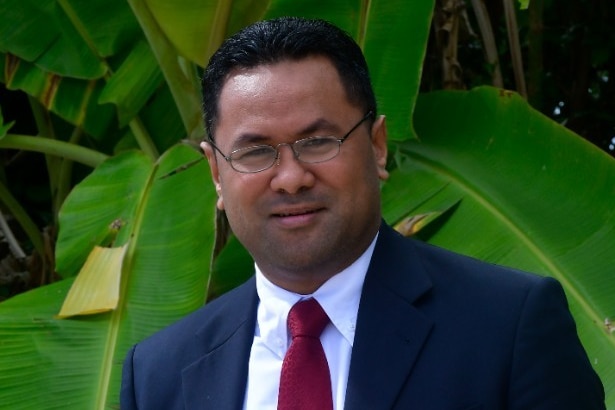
(292, 145)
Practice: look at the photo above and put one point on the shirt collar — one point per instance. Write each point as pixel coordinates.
(339, 297)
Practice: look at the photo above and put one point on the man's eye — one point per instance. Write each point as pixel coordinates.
(318, 142)
(253, 152)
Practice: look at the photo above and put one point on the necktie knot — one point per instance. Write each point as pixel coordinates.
(307, 318)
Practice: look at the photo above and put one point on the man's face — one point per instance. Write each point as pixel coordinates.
(302, 223)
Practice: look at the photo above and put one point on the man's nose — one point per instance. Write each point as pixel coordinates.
(290, 174)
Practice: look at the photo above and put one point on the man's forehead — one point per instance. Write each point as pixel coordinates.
(244, 79)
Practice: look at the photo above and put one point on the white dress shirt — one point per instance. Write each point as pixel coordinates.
(339, 297)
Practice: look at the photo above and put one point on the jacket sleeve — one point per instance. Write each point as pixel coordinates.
(127, 392)
(550, 369)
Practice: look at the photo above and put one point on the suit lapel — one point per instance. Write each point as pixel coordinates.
(390, 330)
(218, 379)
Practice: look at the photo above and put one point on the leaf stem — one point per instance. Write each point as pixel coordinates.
(181, 82)
(49, 146)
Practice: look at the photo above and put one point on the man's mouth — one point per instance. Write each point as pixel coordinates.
(296, 213)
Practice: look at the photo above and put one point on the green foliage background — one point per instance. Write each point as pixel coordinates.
(113, 85)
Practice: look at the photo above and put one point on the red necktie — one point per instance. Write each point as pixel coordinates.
(305, 382)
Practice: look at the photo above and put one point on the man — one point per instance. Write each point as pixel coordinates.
(407, 325)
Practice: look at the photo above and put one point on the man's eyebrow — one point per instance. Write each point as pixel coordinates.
(319, 125)
(249, 138)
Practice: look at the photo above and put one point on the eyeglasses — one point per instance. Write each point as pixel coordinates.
(310, 150)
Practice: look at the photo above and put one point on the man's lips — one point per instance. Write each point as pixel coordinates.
(283, 213)
(297, 208)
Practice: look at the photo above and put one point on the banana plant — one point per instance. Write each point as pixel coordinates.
(509, 185)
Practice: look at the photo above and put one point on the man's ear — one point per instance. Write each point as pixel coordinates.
(379, 145)
(215, 174)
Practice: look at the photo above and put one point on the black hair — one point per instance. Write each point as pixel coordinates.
(287, 38)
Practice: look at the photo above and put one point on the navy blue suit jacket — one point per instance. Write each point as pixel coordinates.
(435, 330)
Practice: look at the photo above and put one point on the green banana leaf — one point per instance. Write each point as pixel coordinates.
(183, 21)
(533, 195)
(56, 51)
(88, 63)
(166, 211)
